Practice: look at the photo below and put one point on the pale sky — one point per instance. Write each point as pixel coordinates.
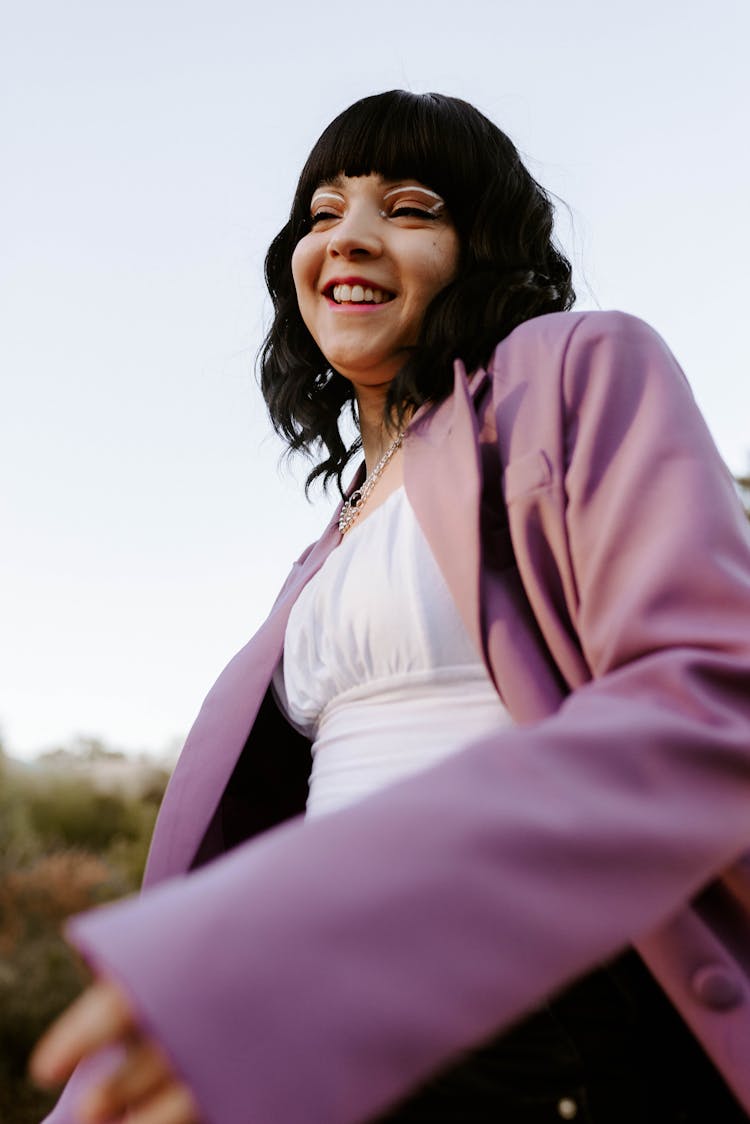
(149, 154)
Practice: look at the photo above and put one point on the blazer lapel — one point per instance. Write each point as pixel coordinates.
(445, 478)
(221, 728)
(442, 477)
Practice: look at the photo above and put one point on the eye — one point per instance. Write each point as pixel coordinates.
(322, 216)
(325, 206)
(408, 210)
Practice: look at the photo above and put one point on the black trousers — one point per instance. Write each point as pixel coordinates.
(609, 1050)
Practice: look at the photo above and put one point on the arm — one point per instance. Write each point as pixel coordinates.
(366, 948)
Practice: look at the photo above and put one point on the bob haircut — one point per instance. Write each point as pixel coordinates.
(510, 269)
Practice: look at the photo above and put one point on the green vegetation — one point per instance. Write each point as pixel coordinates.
(68, 842)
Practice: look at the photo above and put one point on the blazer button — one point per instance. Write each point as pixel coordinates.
(715, 986)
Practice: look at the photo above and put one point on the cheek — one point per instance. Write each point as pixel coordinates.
(298, 269)
(449, 253)
(440, 267)
(305, 269)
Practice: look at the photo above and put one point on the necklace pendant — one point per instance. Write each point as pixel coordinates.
(357, 499)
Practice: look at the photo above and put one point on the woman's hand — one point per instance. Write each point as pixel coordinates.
(143, 1085)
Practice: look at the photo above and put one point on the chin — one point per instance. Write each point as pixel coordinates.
(368, 370)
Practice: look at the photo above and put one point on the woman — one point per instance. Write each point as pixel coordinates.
(524, 674)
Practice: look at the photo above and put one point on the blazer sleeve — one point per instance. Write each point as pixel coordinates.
(319, 973)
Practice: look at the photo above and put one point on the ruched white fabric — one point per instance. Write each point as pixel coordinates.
(378, 669)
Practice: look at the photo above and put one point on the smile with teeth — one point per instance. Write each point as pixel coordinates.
(358, 294)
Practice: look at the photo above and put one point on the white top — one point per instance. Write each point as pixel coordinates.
(378, 668)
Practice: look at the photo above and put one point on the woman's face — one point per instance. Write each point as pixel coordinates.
(377, 252)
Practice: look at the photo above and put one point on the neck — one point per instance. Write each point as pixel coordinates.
(376, 435)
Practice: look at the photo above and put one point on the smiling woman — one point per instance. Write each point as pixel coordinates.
(497, 724)
(401, 241)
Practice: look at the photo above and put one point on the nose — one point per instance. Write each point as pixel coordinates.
(355, 236)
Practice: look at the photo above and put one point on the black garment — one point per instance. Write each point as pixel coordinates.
(609, 1050)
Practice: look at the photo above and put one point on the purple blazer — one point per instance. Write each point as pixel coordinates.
(317, 972)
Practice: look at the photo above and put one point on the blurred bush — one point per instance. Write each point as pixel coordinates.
(65, 846)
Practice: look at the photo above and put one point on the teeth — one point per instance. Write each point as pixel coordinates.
(357, 294)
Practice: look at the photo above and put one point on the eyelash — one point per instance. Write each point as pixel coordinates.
(416, 212)
(397, 212)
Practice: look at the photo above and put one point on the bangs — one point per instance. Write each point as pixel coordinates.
(429, 137)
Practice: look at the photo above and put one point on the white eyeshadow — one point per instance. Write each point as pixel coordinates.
(326, 195)
(413, 187)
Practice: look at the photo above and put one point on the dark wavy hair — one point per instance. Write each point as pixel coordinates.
(510, 269)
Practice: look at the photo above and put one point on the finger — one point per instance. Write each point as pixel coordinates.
(144, 1071)
(97, 1018)
(172, 1105)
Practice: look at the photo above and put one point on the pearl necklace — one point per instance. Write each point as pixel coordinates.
(357, 500)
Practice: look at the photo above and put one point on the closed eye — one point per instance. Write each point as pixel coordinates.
(412, 212)
(321, 216)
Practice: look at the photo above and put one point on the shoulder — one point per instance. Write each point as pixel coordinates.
(563, 372)
(555, 333)
(579, 350)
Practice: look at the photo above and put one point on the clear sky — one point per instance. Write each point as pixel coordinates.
(149, 154)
